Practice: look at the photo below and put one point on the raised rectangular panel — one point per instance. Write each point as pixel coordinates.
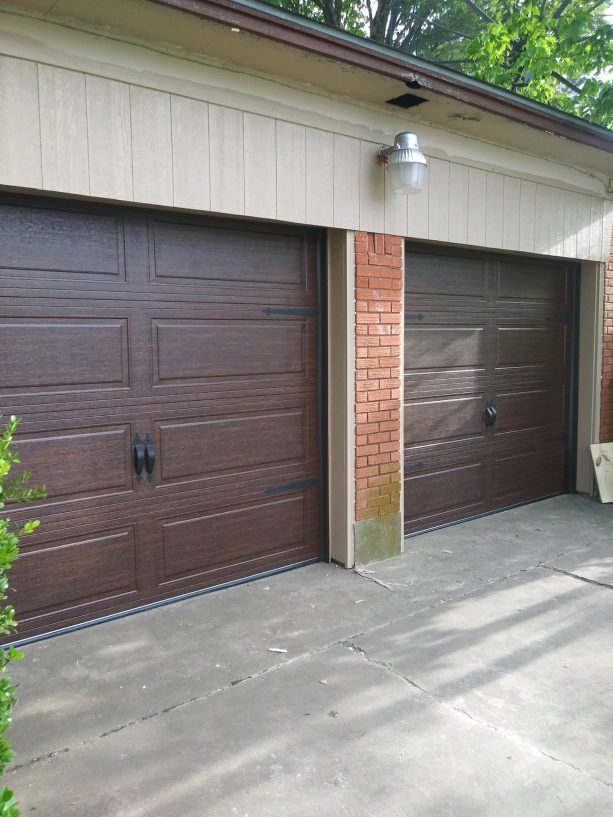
(58, 244)
(443, 275)
(443, 420)
(444, 490)
(20, 151)
(63, 119)
(199, 448)
(151, 146)
(236, 536)
(190, 153)
(72, 463)
(59, 354)
(526, 346)
(193, 254)
(532, 473)
(529, 409)
(439, 348)
(529, 282)
(191, 351)
(109, 137)
(73, 572)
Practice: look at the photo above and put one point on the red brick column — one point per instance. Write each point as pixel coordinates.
(378, 295)
(606, 398)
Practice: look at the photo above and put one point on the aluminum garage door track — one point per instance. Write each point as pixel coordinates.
(478, 685)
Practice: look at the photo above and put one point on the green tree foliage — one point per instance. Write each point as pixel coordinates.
(552, 51)
(12, 489)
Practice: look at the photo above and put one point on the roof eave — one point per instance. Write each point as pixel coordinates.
(274, 24)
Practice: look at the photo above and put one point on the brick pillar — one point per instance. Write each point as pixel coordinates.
(606, 395)
(378, 296)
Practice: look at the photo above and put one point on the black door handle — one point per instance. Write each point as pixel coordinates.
(494, 413)
(149, 457)
(490, 414)
(139, 457)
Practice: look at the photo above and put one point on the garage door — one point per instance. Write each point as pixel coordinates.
(167, 374)
(488, 360)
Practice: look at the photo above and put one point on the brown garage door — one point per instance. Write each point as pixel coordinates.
(488, 348)
(185, 350)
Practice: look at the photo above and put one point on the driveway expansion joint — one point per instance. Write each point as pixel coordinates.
(576, 576)
(385, 665)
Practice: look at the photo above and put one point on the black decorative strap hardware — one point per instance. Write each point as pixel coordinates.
(413, 316)
(292, 486)
(149, 457)
(412, 466)
(139, 457)
(302, 311)
(561, 438)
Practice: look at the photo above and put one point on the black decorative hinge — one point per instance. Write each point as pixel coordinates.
(412, 466)
(292, 486)
(413, 316)
(302, 311)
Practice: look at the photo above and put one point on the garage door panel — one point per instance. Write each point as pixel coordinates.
(52, 244)
(531, 409)
(76, 463)
(204, 544)
(191, 351)
(438, 348)
(524, 474)
(51, 354)
(195, 254)
(444, 494)
(531, 284)
(447, 420)
(530, 346)
(193, 448)
(75, 572)
(462, 279)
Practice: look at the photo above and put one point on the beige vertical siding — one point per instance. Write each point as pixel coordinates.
(77, 132)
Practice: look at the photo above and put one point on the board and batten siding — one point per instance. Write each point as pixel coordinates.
(69, 131)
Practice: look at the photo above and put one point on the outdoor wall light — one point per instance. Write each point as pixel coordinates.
(405, 162)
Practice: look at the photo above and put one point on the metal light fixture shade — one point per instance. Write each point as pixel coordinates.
(405, 162)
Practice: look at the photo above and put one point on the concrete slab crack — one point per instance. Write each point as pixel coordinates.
(576, 576)
(349, 645)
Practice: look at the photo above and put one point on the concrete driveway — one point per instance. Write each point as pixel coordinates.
(477, 683)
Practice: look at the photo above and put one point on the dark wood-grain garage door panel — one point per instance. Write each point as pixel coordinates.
(481, 331)
(56, 243)
(207, 447)
(207, 254)
(251, 348)
(212, 364)
(53, 354)
(249, 534)
(72, 573)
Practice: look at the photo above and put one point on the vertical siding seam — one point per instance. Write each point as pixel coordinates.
(131, 139)
(40, 127)
(172, 154)
(244, 207)
(89, 164)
